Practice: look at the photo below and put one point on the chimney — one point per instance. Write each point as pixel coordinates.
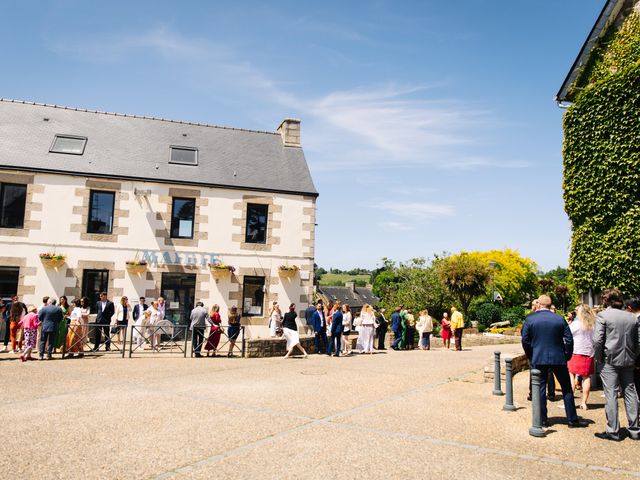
(350, 285)
(289, 129)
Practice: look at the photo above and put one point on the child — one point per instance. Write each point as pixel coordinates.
(29, 324)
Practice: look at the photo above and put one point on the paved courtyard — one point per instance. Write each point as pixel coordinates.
(390, 415)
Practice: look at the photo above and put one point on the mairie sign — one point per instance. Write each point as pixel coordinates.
(159, 257)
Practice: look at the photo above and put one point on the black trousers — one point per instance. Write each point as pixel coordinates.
(551, 384)
(7, 331)
(198, 339)
(562, 374)
(100, 330)
(381, 335)
(458, 338)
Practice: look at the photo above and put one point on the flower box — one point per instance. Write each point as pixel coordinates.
(288, 271)
(220, 270)
(52, 260)
(136, 266)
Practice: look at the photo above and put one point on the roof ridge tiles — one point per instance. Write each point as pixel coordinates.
(128, 115)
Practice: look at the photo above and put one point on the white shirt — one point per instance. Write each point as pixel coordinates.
(346, 321)
(582, 339)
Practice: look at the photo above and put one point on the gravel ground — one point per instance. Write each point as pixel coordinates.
(388, 415)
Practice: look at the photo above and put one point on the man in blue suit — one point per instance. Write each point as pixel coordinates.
(396, 328)
(320, 328)
(50, 317)
(336, 330)
(548, 343)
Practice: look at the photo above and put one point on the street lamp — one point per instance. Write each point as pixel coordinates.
(492, 264)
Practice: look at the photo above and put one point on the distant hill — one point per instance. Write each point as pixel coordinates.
(339, 279)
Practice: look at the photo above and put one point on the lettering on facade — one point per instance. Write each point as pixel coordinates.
(159, 257)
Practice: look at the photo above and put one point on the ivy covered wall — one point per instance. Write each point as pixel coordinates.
(602, 165)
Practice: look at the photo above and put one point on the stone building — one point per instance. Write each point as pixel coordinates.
(102, 189)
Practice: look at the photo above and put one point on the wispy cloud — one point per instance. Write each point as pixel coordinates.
(398, 226)
(418, 210)
(372, 127)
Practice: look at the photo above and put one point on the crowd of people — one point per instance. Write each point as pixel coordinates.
(567, 350)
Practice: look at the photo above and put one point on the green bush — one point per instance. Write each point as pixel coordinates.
(515, 315)
(486, 314)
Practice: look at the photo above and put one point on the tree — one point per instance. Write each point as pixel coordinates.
(514, 276)
(465, 277)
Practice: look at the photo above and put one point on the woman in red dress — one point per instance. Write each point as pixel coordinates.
(446, 330)
(214, 332)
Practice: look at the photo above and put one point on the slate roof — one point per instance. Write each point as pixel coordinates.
(347, 295)
(133, 147)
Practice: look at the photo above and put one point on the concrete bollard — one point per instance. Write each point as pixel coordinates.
(508, 404)
(536, 420)
(497, 390)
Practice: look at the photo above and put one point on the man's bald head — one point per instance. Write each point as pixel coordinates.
(544, 301)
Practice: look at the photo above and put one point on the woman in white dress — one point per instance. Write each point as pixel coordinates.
(154, 319)
(123, 316)
(346, 329)
(275, 319)
(140, 332)
(368, 320)
(290, 332)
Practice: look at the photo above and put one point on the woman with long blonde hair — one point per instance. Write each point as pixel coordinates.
(368, 320)
(582, 362)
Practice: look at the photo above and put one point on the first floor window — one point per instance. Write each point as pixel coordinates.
(13, 198)
(9, 281)
(253, 296)
(94, 282)
(257, 223)
(182, 217)
(101, 212)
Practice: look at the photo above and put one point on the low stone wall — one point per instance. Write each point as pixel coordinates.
(519, 362)
(275, 347)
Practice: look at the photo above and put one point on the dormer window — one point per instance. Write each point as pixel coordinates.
(69, 144)
(184, 155)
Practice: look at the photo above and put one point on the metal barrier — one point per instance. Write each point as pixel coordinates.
(93, 335)
(163, 338)
(224, 340)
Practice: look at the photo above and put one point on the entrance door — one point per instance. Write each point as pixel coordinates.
(178, 290)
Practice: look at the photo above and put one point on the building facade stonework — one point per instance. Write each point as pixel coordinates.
(117, 203)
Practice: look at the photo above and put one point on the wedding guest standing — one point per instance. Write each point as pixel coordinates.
(198, 317)
(275, 319)
(425, 327)
(320, 329)
(29, 324)
(61, 333)
(582, 362)
(396, 328)
(346, 329)
(105, 310)
(411, 330)
(457, 326)
(616, 341)
(382, 329)
(139, 309)
(50, 317)
(290, 332)
(368, 319)
(445, 332)
(85, 312)
(74, 337)
(336, 330)
(123, 315)
(234, 328)
(215, 331)
(17, 311)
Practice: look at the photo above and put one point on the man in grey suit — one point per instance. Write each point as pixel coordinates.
(50, 317)
(616, 341)
(198, 317)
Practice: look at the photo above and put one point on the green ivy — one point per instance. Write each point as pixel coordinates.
(602, 168)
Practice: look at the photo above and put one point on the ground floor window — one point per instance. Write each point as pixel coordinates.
(9, 281)
(253, 296)
(178, 291)
(94, 282)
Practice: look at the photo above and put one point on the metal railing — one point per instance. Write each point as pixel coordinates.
(200, 340)
(88, 338)
(164, 338)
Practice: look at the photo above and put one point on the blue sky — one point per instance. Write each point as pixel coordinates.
(428, 126)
